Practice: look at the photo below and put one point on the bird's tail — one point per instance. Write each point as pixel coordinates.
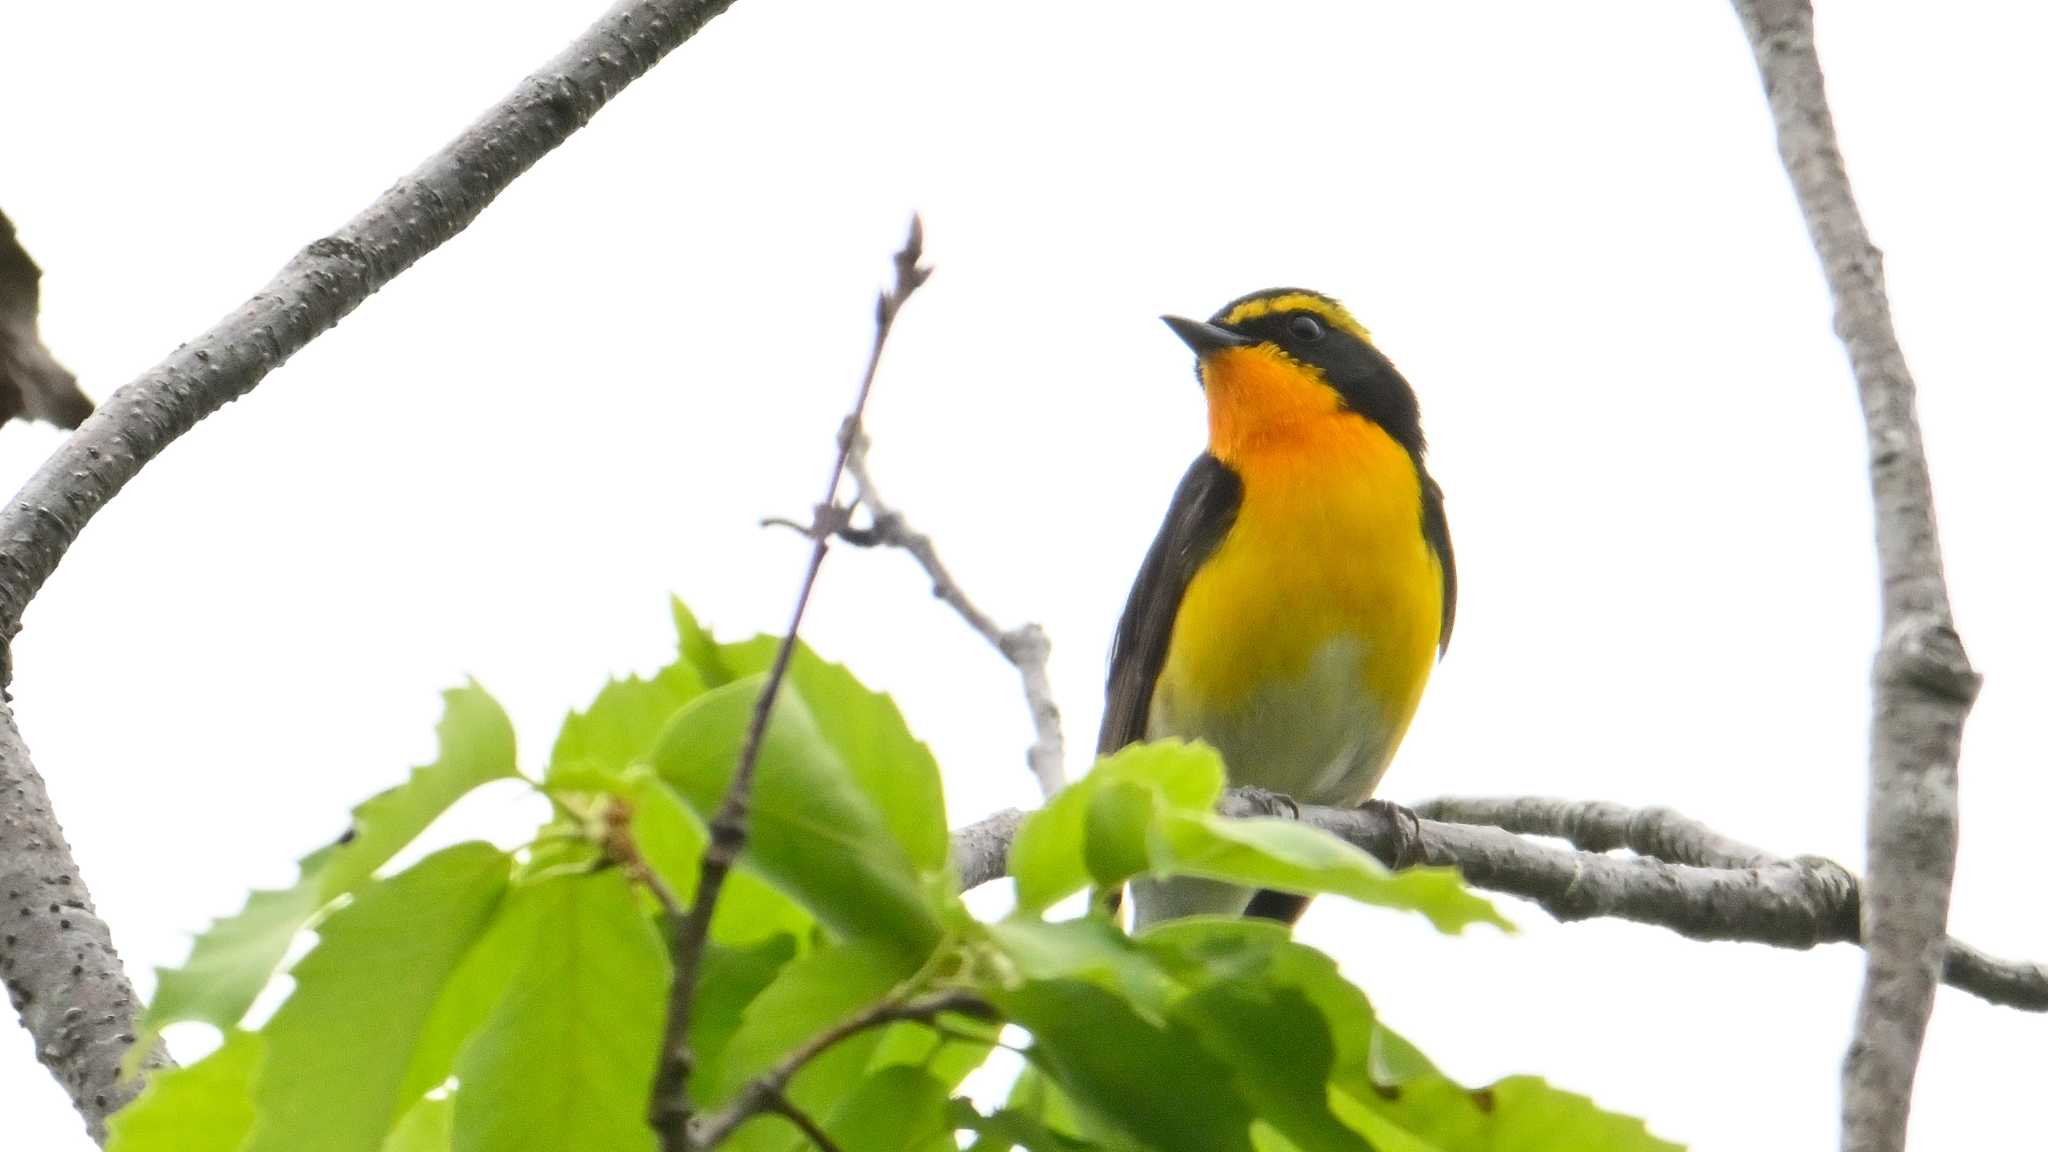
(1154, 901)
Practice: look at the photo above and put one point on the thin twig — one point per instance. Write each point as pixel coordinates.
(1923, 680)
(760, 1093)
(1026, 647)
(321, 284)
(622, 851)
(1790, 903)
(669, 1108)
(782, 1106)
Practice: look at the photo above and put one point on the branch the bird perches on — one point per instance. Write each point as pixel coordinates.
(1677, 874)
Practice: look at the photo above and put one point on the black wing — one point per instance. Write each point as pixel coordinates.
(1203, 509)
(1436, 529)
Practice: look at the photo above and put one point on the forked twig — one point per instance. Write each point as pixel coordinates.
(669, 1109)
(1026, 646)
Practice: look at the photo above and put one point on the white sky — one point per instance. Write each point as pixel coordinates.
(1566, 222)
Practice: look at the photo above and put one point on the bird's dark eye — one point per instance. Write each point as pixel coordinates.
(1306, 327)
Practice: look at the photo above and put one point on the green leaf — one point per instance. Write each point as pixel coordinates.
(567, 1058)
(478, 984)
(1089, 948)
(1036, 1094)
(1385, 1135)
(202, 1107)
(1392, 1060)
(1114, 836)
(1051, 856)
(1521, 1112)
(1293, 857)
(621, 725)
(1280, 1050)
(235, 957)
(811, 994)
(671, 839)
(1155, 1083)
(945, 1058)
(1277, 1013)
(1252, 987)
(893, 767)
(1039, 1118)
(1150, 808)
(669, 836)
(898, 1108)
(730, 980)
(811, 829)
(427, 1126)
(336, 1053)
(1008, 1128)
(696, 647)
(1203, 952)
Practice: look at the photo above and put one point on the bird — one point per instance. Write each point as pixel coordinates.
(1302, 586)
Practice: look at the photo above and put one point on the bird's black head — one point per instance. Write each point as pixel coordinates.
(1314, 332)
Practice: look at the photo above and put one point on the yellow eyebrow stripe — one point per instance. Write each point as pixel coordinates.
(1331, 311)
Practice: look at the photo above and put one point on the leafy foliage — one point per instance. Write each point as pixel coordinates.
(564, 1060)
(485, 1002)
(236, 957)
(373, 980)
(1150, 808)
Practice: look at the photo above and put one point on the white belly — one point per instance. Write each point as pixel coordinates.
(1319, 739)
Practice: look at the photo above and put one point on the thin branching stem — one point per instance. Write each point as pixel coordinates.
(801, 1120)
(669, 1109)
(1026, 646)
(760, 1094)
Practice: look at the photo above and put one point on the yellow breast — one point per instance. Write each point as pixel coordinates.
(1302, 646)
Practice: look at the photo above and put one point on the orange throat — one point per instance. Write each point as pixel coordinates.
(1261, 402)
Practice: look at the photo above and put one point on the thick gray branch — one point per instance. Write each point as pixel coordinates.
(326, 282)
(59, 963)
(1790, 903)
(56, 956)
(1599, 826)
(1924, 683)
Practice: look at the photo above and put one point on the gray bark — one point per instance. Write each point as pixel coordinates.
(58, 959)
(1700, 885)
(1923, 682)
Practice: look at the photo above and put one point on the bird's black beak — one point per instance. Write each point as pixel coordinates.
(1205, 338)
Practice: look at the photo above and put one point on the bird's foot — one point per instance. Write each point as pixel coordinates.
(1270, 803)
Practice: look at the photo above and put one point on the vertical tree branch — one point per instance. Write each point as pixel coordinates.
(61, 969)
(56, 955)
(669, 1107)
(1923, 682)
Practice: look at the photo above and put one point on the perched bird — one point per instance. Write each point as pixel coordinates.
(1302, 586)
